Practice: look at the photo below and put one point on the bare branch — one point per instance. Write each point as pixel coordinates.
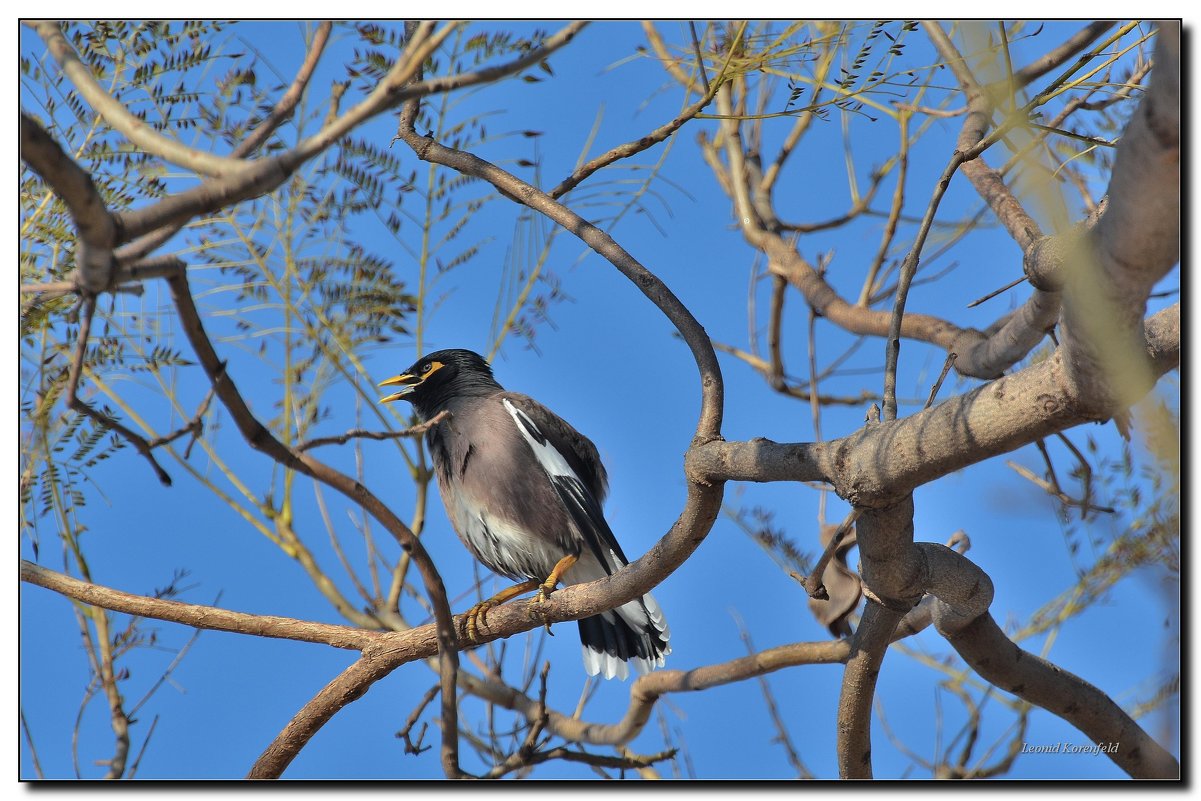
(647, 690)
(1002, 662)
(858, 689)
(74, 402)
(119, 117)
(346, 688)
(1049, 61)
(879, 464)
(892, 348)
(96, 227)
(654, 137)
(287, 103)
(197, 615)
(358, 433)
(946, 368)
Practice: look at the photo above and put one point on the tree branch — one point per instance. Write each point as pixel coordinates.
(197, 615)
(871, 641)
(260, 438)
(96, 227)
(74, 402)
(879, 464)
(282, 111)
(1002, 662)
(119, 117)
(1134, 244)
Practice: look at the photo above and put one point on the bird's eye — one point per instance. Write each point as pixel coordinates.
(425, 368)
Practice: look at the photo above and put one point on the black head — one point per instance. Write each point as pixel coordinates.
(437, 377)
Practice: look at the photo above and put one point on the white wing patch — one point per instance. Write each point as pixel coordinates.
(551, 460)
(640, 614)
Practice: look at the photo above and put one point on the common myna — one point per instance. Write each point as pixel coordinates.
(523, 489)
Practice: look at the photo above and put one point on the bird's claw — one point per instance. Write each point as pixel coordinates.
(543, 593)
(476, 616)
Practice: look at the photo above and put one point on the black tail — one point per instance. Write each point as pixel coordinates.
(635, 633)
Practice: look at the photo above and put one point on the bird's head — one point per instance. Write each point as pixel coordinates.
(438, 377)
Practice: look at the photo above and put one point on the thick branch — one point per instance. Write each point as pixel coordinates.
(858, 688)
(881, 463)
(1135, 243)
(347, 687)
(1002, 662)
(96, 227)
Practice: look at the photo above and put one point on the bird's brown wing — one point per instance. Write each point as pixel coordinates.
(580, 481)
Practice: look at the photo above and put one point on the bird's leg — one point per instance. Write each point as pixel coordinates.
(480, 610)
(548, 586)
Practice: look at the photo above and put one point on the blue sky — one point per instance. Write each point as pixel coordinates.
(611, 366)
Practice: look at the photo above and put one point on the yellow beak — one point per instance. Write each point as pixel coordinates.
(406, 380)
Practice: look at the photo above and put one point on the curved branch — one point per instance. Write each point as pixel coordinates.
(703, 501)
(1002, 662)
(119, 117)
(871, 642)
(647, 689)
(260, 438)
(709, 426)
(198, 615)
(347, 687)
(1134, 244)
(96, 227)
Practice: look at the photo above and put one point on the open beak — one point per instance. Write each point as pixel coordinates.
(406, 380)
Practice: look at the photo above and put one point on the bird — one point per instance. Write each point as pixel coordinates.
(523, 490)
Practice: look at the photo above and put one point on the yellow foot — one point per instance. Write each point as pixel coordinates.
(476, 616)
(544, 591)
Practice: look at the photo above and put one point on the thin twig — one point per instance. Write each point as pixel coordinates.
(410, 747)
(33, 751)
(813, 582)
(649, 140)
(137, 760)
(1051, 489)
(773, 710)
(75, 403)
(195, 426)
(996, 292)
(412, 431)
(946, 368)
(775, 321)
(892, 348)
(285, 106)
(700, 61)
